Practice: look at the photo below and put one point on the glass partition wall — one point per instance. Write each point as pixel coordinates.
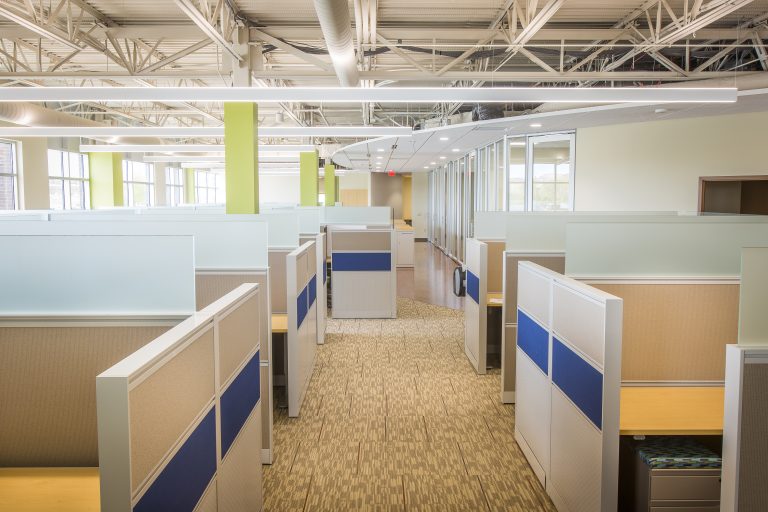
(517, 173)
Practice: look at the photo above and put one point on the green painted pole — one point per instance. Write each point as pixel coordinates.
(189, 186)
(330, 184)
(241, 157)
(106, 182)
(309, 177)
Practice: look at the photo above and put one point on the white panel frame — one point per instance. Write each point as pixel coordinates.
(476, 314)
(301, 341)
(360, 215)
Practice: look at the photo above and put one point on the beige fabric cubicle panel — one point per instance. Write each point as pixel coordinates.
(48, 389)
(278, 284)
(554, 262)
(361, 241)
(235, 328)
(495, 269)
(753, 452)
(177, 393)
(676, 332)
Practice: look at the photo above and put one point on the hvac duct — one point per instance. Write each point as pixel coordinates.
(337, 31)
(29, 114)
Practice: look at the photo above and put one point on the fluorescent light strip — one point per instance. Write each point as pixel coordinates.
(377, 94)
(357, 132)
(220, 158)
(185, 148)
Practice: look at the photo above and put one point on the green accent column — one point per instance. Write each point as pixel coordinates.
(189, 186)
(309, 177)
(241, 157)
(106, 181)
(330, 184)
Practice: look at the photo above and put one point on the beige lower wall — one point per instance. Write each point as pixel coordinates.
(656, 165)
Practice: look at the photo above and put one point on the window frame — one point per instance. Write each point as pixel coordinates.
(66, 179)
(129, 181)
(14, 174)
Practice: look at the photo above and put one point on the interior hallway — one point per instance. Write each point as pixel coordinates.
(396, 419)
(431, 279)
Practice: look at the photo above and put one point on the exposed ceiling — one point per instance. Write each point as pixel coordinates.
(427, 149)
(397, 42)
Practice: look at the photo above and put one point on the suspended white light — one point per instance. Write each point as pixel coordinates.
(377, 94)
(353, 132)
(186, 148)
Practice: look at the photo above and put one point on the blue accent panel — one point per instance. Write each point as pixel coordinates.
(473, 286)
(238, 401)
(301, 307)
(533, 339)
(579, 380)
(184, 479)
(312, 286)
(362, 261)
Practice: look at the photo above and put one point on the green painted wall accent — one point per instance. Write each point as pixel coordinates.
(330, 184)
(241, 155)
(106, 181)
(189, 186)
(309, 177)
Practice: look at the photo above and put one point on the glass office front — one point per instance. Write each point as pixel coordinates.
(517, 173)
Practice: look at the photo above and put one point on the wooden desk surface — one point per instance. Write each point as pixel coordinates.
(47, 489)
(494, 295)
(279, 323)
(667, 410)
(403, 227)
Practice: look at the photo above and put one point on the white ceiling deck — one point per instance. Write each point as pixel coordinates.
(423, 151)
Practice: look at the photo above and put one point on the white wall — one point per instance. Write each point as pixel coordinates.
(657, 165)
(33, 171)
(419, 200)
(279, 189)
(354, 180)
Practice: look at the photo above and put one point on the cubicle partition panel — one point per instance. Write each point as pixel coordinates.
(214, 284)
(70, 307)
(179, 420)
(551, 260)
(322, 284)
(568, 387)
(278, 276)
(745, 451)
(301, 346)
(475, 305)
(363, 273)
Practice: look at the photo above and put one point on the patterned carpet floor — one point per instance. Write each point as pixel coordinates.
(396, 419)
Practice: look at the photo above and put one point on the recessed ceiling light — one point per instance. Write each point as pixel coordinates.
(380, 150)
(443, 138)
(535, 125)
(455, 150)
(442, 158)
(432, 163)
(426, 167)
(379, 157)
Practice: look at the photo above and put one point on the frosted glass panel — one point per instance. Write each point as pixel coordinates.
(490, 225)
(688, 248)
(358, 215)
(309, 220)
(236, 244)
(97, 275)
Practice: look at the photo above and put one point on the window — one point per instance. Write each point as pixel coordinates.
(174, 186)
(68, 180)
(551, 173)
(138, 184)
(209, 187)
(516, 174)
(8, 177)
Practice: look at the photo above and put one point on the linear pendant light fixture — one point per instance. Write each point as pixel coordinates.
(377, 94)
(361, 132)
(186, 148)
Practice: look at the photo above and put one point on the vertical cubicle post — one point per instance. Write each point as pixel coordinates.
(476, 306)
(301, 346)
(568, 387)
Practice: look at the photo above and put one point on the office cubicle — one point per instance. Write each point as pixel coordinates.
(301, 346)
(179, 420)
(363, 272)
(568, 385)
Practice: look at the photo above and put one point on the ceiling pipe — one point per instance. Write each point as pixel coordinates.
(29, 114)
(337, 31)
